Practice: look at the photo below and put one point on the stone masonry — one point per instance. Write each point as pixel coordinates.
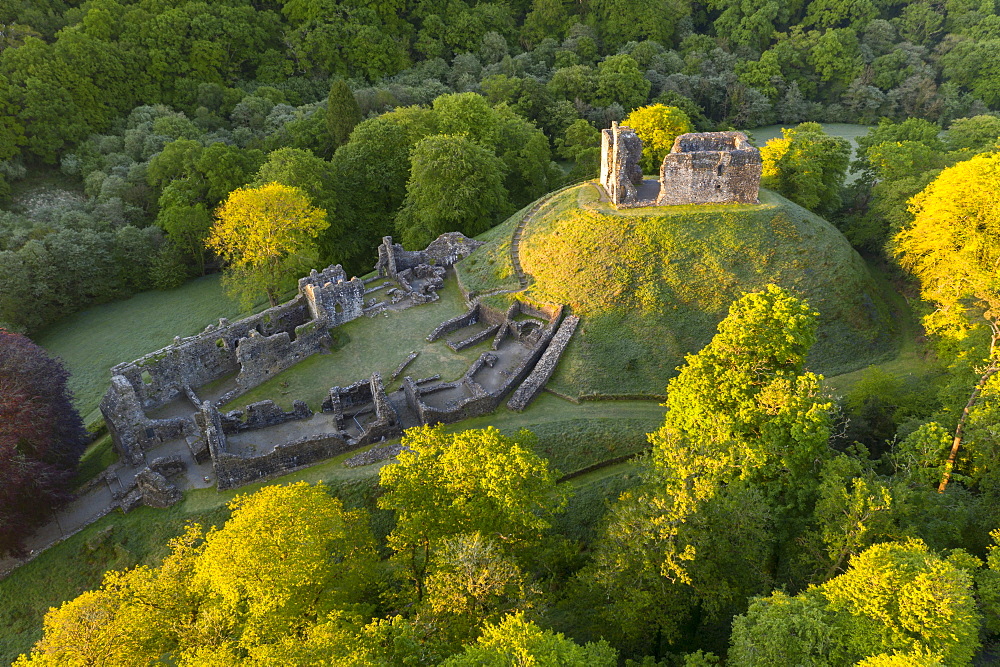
(239, 356)
(710, 168)
(621, 173)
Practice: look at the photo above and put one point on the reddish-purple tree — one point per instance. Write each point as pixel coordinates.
(41, 439)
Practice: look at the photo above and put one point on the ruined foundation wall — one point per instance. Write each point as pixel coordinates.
(232, 471)
(262, 414)
(160, 377)
(546, 366)
(479, 401)
(131, 430)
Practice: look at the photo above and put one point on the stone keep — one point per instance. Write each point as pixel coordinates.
(710, 168)
(621, 173)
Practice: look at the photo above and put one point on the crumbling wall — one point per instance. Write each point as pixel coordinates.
(263, 414)
(262, 357)
(445, 250)
(543, 370)
(331, 297)
(476, 400)
(160, 377)
(232, 470)
(621, 173)
(710, 168)
(364, 393)
(131, 430)
(386, 423)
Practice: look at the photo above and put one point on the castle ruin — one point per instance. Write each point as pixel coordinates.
(701, 168)
(710, 168)
(169, 399)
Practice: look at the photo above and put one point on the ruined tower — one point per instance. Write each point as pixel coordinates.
(621, 174)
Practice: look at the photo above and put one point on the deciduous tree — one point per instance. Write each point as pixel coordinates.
(657, 125)
(473, 481)
(807, 165)
(41, 438)
(455, 185)
(267, 236)
(519, 642)
(342, 112)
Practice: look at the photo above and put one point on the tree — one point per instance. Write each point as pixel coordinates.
(370, 174)
(342, 112)
(620, 81)
(455, 185)
(657, 125)
(744, 433)
(188, 227)
(582, 145)
(480, 481)
(266, 234)
(237, 591)
(807, 165)
(952, 249)
(894, 598)
(976, 134)
(314, 556)
(515, 641)
(41, 439)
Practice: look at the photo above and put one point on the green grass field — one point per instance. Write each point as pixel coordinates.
(92, 341)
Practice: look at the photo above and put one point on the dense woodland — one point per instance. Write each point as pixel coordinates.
(772, 524)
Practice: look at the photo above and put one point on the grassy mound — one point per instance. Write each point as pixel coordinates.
(651, 284)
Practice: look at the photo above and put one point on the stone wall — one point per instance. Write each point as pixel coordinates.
(475, 400)
(710, 168)
(160, 377)
(445, 250)
(253, 350)
(263, 414)
(621, 173)
(362, 394)
(543, 370)
(232, 470)
(262, 357)
(132, 431)
(331, 297)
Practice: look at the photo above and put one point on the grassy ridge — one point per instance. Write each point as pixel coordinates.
(652, 284)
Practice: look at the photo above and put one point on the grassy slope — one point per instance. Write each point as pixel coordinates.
(92, 341)
(651, 284)
(573, 436)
